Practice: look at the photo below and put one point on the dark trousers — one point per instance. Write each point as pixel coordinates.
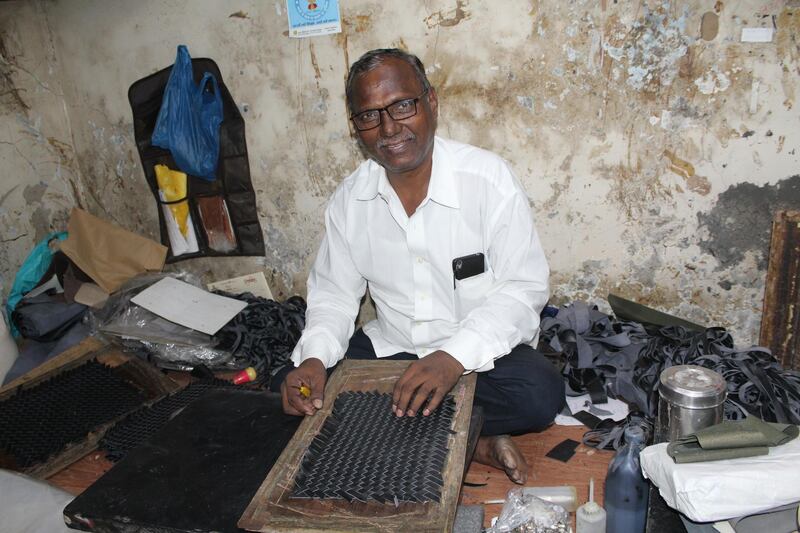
(521, 394)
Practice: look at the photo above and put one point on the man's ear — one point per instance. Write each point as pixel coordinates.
(433, 101)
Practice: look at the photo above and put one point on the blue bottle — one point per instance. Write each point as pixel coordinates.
(627, 491)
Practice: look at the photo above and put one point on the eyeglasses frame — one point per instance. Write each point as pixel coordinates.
(380, 111)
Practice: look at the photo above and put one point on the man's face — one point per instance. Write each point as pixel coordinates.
(398, 145)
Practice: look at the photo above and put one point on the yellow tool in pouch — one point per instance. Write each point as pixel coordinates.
(172, 184)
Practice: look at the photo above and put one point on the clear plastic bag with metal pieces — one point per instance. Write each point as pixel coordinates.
(137, 329)
(529, 514)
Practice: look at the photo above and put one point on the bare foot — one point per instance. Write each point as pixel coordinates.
(500, 451)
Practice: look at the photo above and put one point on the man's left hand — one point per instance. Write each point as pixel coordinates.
(433, 375)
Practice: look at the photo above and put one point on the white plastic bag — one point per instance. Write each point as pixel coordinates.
(720, 490)
(31, 506)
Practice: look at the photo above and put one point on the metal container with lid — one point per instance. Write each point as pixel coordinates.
(690, 399)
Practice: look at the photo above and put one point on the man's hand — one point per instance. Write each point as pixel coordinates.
(310, 373)
(433, 375)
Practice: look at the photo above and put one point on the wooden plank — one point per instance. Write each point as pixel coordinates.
(71, 358)
(78, 476)
(272, 510)
(781, 312)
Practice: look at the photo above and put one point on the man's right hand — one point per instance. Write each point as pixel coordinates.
(312, 374)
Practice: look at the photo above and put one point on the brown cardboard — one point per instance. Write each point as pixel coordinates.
(92, 295)
(107, 253)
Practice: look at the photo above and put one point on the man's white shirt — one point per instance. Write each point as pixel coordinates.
(474, 205)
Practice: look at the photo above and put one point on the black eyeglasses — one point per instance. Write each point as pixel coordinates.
(371, 118)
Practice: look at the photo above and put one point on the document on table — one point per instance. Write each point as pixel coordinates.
(189, 306)
(254, 283)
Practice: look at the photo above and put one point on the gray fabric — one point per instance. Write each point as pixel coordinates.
(46, 318)
(629, 359)
(697, 527)
(35, 353)
(779, 520)
(593, 340)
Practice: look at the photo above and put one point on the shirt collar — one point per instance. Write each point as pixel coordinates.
(374, 181)
(442, 188)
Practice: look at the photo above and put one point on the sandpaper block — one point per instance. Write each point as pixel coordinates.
(469, 519)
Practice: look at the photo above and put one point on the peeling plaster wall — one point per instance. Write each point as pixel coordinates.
(654, 151)
(39, 180)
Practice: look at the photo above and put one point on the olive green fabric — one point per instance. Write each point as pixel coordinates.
(731, 440)
(636, 312)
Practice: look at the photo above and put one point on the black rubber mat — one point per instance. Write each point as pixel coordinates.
(197, 474)
(364, 452)
(137, 427)
(38, 422)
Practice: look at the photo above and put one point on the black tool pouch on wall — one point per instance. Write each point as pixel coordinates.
(223, 211)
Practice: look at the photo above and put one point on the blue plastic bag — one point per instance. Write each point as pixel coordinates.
(189, 119)
(30, 273)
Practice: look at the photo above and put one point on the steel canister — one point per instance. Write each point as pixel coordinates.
(690, 399)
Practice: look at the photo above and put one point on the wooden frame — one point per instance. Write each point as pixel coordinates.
(272, 510)
(144, 376)
(780, 318)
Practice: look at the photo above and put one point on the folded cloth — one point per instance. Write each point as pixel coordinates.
(730, 440)
(45, 318)
(782, 519)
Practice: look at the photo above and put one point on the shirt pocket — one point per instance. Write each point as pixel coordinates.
(471, 292)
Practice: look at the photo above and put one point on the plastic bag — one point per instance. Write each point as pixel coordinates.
(189, 119)
(138, 330)
(30, 273)
(31, 505)
(527, 513)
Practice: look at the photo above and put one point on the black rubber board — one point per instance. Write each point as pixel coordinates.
(197, 473)
(141, 424)
(364, 452)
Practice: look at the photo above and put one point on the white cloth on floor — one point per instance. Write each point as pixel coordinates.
(720, 490)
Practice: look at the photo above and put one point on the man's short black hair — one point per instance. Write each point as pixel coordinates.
(373, 59)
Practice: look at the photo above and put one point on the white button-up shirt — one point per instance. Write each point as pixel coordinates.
(474, 205)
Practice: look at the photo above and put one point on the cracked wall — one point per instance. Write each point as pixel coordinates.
(39, 183)
(653, 143)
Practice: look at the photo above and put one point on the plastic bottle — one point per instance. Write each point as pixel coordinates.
(590, 517)
(626, 489)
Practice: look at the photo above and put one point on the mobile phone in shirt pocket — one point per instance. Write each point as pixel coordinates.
(471, 292)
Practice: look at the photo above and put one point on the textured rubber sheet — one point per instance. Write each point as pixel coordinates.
(141, 424)
(39, 422)
(364, 452)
